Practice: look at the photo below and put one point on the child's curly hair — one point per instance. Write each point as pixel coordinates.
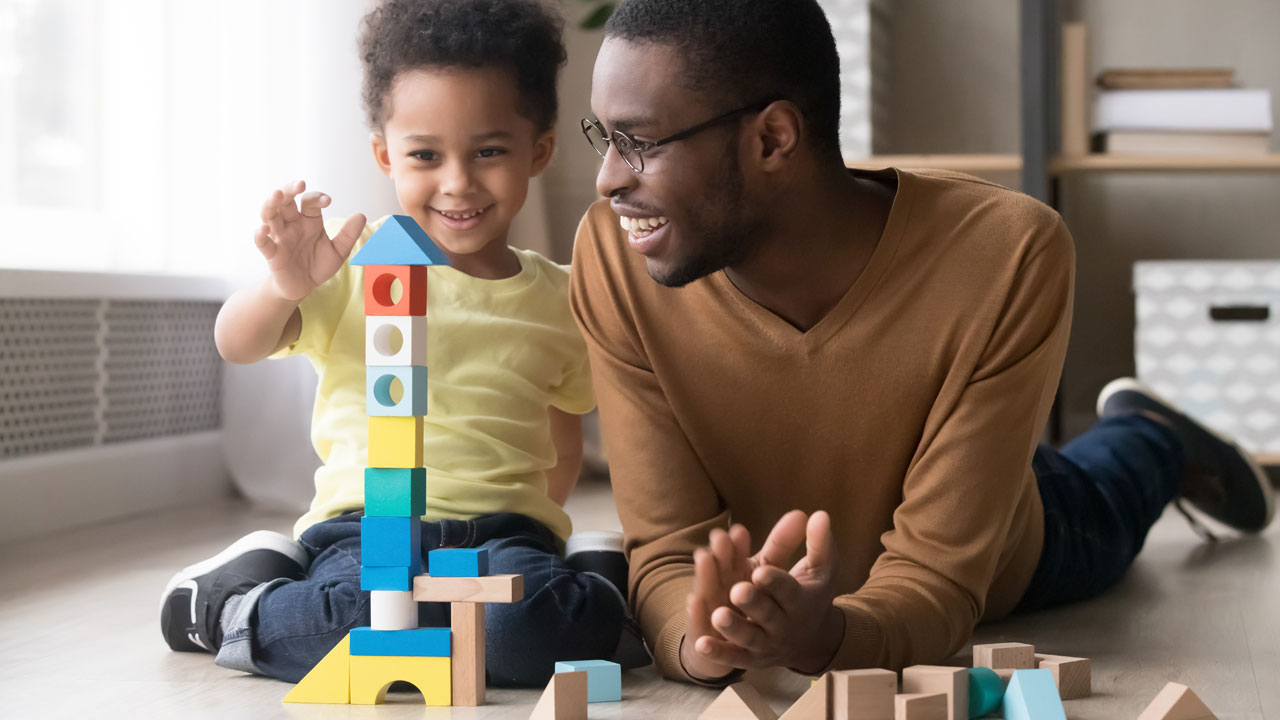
(521, 36)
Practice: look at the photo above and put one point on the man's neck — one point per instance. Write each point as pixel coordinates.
(822, 237)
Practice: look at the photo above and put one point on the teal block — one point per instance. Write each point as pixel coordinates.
(986, 690)
(391, 542)
(378, 380)
(386, 578)
(458, 562)
(395, 492)
(1031, 695)
(604, 678)
(419, 642)
(400, 241)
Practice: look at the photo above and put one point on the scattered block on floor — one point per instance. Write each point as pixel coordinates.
(1016, 656)
(920, 706)
(371, 675)
(739, 701)
(395, 492)
(814, 704)
(329, 681)
(1031, 695)
(391, 542)
(863, 694)
(395, 341)
(1005, 675)
(395, 442)
(458, 562)
(418, 642)
(604, 678)
(398, 579)
(393, 610)
(985, 691)
(466, 620)
(1071, 674)
(379, 280)
(564, 699)
(488, 589)
(951, 681)
(1177, 702)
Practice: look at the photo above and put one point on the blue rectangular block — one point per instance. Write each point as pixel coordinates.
(386, 578)
(458, 562)
(391, 542)
(604, 678)
(395, 492)
(420, 642)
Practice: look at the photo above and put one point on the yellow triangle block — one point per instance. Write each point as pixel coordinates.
(329, 682)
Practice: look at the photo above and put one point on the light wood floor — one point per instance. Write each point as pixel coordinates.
(79, 633)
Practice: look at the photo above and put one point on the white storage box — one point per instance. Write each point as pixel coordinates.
(1208, 339)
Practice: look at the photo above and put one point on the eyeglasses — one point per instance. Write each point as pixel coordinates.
(632, 151)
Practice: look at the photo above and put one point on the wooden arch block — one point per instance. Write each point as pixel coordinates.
(371, 675)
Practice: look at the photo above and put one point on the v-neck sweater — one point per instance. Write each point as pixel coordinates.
(909, 412)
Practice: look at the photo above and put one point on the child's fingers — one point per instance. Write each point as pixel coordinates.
(346, 237)
(262, 239)
(764, 608)
(725, 553)
(784, 539)
(271, 216)
(288, 206)
(310, 204)
(739, 630)
(706, 577)
(723, 652)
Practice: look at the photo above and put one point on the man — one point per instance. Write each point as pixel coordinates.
(877, 350)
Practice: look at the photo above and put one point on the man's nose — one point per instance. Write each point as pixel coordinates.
(615, 175)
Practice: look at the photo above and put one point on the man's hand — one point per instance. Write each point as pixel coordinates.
(293, 241)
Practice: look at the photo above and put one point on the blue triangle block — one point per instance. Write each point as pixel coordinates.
(1031, 695)
(400, 241)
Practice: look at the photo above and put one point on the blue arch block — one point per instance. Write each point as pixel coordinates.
(377, 391)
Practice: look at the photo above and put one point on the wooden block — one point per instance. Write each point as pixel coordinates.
(395, 442)
(380, 280)
(395, 492)
(1072, 675)
(392, 609)
(418, 642)
(1016, 656)
(564, 699)
(466, 619)
(458, 562)
(739, 702)
(395, 341)
(329, 681)
(391, 542)
(920, 706)
(383, 399)
(951, 681)
(1031, 695)
(1177, 702)
(1005, 675)
(604, 678)
(398, 579)
(985, 691)
(814, 704)
(863, 694)
(371, 675)
(488, 589)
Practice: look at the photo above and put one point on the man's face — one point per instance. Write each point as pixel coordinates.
(695, 184)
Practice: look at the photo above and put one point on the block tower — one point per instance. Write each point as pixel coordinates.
(445, 664)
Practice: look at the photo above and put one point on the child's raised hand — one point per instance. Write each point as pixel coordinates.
(293, 240)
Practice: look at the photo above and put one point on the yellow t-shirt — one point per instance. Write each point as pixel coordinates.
(499, 353)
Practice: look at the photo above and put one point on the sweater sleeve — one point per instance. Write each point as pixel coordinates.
(969, 476)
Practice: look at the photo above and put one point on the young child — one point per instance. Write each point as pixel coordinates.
(461, 97)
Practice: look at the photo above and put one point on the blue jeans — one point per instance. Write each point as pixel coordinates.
(1102, 492)
(284, 627)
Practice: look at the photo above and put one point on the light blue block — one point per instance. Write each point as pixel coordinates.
(419, 642)
(604, 678)
(391, 542)
(1031, 695)
(400, 241)
(378, 380)
(386, 578)
(458, 562)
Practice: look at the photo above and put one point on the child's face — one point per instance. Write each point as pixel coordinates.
(460, 155)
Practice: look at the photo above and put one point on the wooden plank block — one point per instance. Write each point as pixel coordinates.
(395, 341)
(395, 492)
(1072, 675)
(564, 699)
(1031, 695)
(1016, 656)
(920, 706)
(371, 675)
(393, 609)
(739, 701)
(951, 681)
(814, 704)
(1177, 702)
(604, 678)
(329, 681)
(458, 562)
(381, 397)
(466, 619)
(380, 282)
(395, 442)
(418, 642)
(391, 542)
(488, 589)
(863, 694)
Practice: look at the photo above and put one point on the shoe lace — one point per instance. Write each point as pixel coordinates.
(1196, 525)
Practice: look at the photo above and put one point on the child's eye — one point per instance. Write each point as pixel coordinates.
(425, 155)
(491, 152)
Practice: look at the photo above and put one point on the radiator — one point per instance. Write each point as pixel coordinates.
(110, 397)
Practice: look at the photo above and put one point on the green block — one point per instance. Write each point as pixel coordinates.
(395, 492)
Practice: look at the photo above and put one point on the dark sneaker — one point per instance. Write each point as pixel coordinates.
(191, 606)
(1223, 481)
(600, 553)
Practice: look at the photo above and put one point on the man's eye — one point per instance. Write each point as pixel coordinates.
(424, 155)
(491, 152)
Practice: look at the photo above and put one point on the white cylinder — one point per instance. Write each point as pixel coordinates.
(393, 610)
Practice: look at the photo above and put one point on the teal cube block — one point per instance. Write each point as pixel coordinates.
(395, 492)
(419, 642)
(1032, 695)
(386, 578)
(458, 562)
(604, 678)
(378, 397)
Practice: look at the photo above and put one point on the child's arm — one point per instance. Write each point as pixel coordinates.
(566, 432)
(257, 321)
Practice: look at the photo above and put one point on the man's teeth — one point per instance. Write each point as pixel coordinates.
(633, 224)
(461, 215)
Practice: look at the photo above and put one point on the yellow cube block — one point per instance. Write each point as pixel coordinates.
(395, 442)
(371, 675)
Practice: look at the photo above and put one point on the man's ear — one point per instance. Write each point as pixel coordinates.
(780, 128)
(380, 155)
(543, 147)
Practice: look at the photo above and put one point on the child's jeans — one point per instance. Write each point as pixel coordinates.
(283, 628)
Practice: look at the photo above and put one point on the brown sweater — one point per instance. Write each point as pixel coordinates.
(909, 412)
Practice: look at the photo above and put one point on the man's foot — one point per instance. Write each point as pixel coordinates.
(600, 553)
(191, 606)
(1222, 480)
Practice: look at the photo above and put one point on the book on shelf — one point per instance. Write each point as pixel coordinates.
(1198, 110)
(1166, 78)
(1182, 143)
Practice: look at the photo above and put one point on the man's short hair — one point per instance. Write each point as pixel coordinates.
(742, 51)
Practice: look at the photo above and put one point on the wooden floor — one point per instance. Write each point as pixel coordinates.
(79, 634)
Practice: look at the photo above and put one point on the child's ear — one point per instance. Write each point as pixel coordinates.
(380, 154)
(543, 146)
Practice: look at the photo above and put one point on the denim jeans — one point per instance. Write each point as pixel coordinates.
(1102, 492)
(284, 627)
